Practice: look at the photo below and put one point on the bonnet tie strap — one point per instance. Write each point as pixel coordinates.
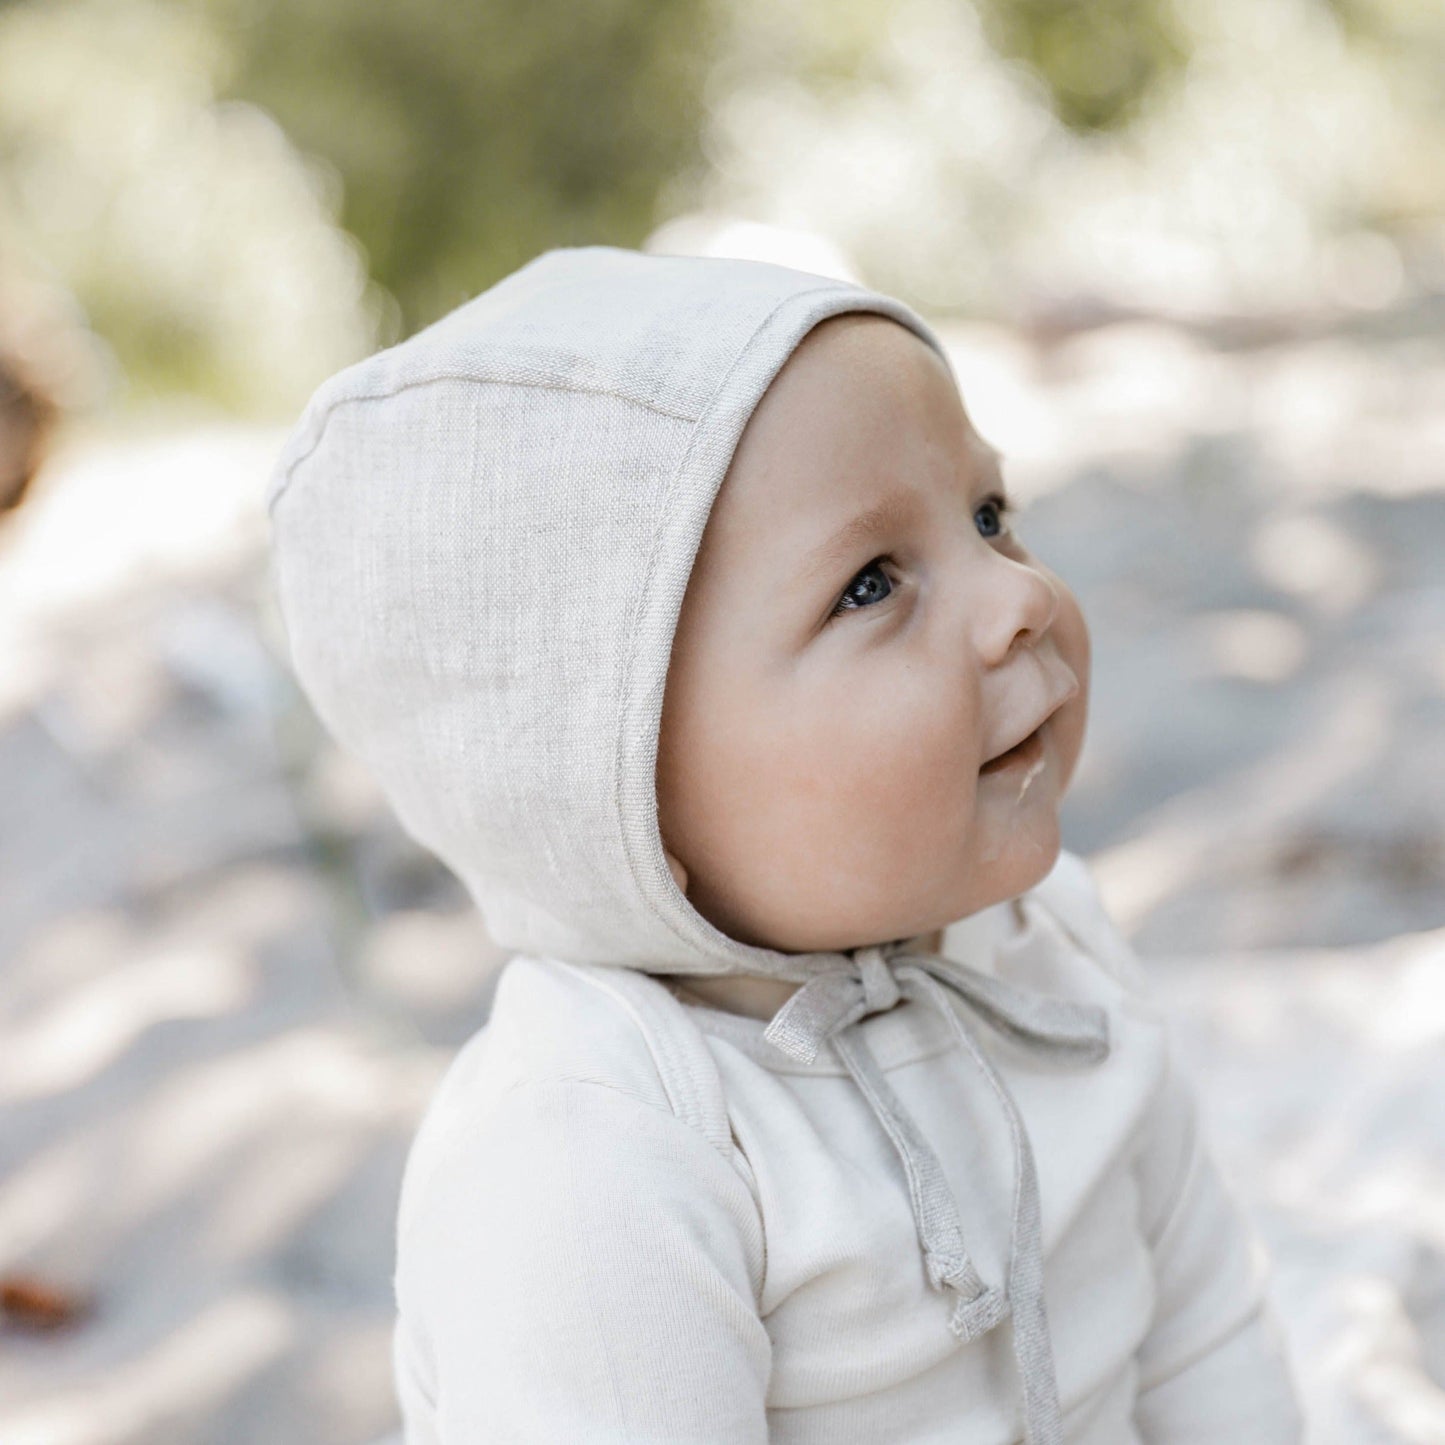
(829, 1006)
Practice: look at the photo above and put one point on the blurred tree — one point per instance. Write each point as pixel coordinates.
(467, 138)
(1099, 59)
(197, 246)
(1405, 43)
(963, 153)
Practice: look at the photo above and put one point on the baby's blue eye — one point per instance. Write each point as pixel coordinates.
(991, 515)
(862, 592)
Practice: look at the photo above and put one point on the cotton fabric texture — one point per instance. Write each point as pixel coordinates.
(954, 1196)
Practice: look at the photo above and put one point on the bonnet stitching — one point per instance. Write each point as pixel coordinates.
(385, 393)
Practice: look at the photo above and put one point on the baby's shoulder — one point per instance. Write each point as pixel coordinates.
(615, 1026)
(557, 1025)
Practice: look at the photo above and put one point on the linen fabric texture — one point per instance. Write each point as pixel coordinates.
(631, 1218)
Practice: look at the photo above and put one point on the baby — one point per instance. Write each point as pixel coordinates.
(677, 606)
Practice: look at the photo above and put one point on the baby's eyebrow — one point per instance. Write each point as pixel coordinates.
(890, 512)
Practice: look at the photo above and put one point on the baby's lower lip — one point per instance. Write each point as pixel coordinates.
(1021, 755)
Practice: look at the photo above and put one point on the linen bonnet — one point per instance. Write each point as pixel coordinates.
(481, 538)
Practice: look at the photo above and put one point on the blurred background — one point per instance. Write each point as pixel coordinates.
(1189, 257)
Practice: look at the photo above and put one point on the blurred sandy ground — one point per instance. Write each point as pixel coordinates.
(229, 983)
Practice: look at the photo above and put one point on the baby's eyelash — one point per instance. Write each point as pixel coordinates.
(1006, 505)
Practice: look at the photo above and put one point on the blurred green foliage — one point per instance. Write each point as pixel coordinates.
(242, 195)
(1100, 59)
(1405, 40)
(469, 137)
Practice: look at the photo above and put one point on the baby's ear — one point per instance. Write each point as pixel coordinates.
(678, 871)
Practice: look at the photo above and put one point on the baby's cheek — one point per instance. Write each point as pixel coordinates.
(920, 780)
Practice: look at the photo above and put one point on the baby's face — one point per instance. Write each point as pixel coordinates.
(861, 635)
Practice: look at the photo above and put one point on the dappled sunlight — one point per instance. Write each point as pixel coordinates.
(158, 1383)
(1229, 824)
(306, 1092)
(313, 1134)
(303, 1087)
(1251, 643)
(1322, 1073)
(167, 1208)
(82, 990)
(37, 1200)
(424, 961)
(1325, 417)
(1308, 556)
(1413, 1014)
(87, 1029)
(147, 509)
(71, 952)
(1378, 1350)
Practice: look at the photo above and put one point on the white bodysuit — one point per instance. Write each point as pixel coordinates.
(628, 1219)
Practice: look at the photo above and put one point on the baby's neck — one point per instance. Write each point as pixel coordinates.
(733, 993)
(750, 995)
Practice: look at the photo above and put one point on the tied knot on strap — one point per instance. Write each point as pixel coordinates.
(830, 1006)
(880, 988)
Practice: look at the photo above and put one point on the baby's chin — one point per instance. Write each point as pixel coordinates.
(983, 881)
(1005, 864)
(1007, 852)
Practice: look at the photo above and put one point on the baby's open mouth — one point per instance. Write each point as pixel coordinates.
(1022, 754)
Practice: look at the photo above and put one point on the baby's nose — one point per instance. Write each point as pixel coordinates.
(1022, 604)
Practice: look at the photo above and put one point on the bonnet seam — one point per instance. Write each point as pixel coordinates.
(383, 394)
